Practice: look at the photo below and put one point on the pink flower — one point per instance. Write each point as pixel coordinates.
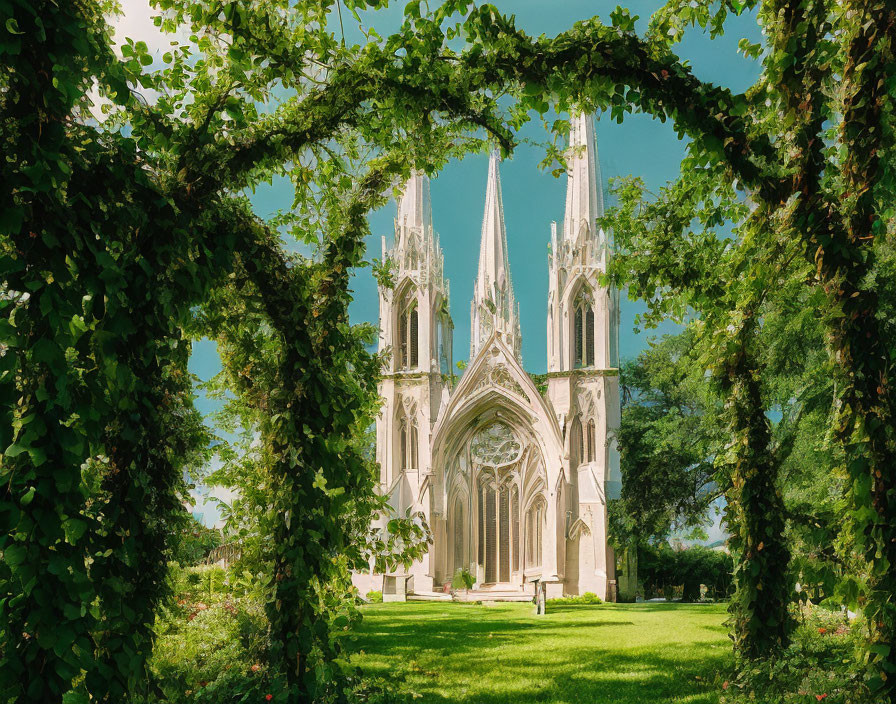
(255, 668)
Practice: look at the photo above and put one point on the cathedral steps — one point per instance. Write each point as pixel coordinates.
(486, 594)
(429, 596)
(493, 595)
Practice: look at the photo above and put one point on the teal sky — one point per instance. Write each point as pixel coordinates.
(640, 146)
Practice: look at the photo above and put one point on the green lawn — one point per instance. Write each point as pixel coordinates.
(612, 653)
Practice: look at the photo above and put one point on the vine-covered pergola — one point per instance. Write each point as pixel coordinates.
(119, 239)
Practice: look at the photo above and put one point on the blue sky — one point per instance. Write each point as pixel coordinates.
(532, 199)
(640, 146)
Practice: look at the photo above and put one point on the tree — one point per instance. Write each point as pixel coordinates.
(668, 439)
(670, 253)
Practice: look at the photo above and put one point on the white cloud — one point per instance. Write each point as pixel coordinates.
(135, 22)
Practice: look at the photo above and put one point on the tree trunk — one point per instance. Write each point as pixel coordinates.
(755, 517)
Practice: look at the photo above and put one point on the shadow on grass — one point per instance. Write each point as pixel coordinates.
(648, 606)
(583, 656)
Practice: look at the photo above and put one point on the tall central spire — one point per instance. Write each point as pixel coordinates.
(584, 190)
(494, 305)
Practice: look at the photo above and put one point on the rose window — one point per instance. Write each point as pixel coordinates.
(496, 446)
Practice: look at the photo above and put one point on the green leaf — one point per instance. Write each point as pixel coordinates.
(74, 529)
(15, 450)
(15, 554)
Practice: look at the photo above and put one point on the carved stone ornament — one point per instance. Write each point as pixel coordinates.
(585, 400)
(499, 375)
(496, 446)
(409, 405)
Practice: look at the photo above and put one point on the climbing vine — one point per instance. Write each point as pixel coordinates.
(113, 233)
(671, 254)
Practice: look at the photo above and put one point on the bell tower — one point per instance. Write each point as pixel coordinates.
(583, 374)
(416, 333)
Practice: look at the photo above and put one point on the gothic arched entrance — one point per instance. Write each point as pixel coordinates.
(491, 483)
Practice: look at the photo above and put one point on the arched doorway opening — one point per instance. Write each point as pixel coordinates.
(494, 477)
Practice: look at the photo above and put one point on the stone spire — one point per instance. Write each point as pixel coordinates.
(494, 305)
(584, 190)
(416, 251)
(578, 254)
(415, 207)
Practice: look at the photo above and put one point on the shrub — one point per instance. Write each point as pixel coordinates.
(211, 641)
(666, 572)
(218, 645)
(821, 664)
(463, 579)
(375, 597)
(192, 543)
(586, 598)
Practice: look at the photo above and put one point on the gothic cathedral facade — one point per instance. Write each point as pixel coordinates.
(512, 482)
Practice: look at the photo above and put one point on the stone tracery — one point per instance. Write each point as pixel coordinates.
(499, 375)
(496, 446)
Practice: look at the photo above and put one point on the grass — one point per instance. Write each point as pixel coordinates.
(609, 654)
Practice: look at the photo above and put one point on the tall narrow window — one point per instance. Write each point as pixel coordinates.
(412, 342)
(539, 522)
(534, 521)
(589, 441)
(412, 449)
(403, 442)
(578, 332)
(515, 528)
(575, 444)
(480, 552)
(458, 534)
(408, 336)
(504, 533)
(402, 341)
(589, 338)
(583, 334)
(491, 538)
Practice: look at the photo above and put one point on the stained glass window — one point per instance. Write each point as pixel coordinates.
(496, 446)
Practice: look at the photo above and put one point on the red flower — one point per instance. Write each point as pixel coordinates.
(823, 631)
(819, 697)
(271, 696)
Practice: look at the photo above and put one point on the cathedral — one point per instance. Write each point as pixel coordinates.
(512, 481)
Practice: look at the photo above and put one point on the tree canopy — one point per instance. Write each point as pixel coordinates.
(117, 235)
